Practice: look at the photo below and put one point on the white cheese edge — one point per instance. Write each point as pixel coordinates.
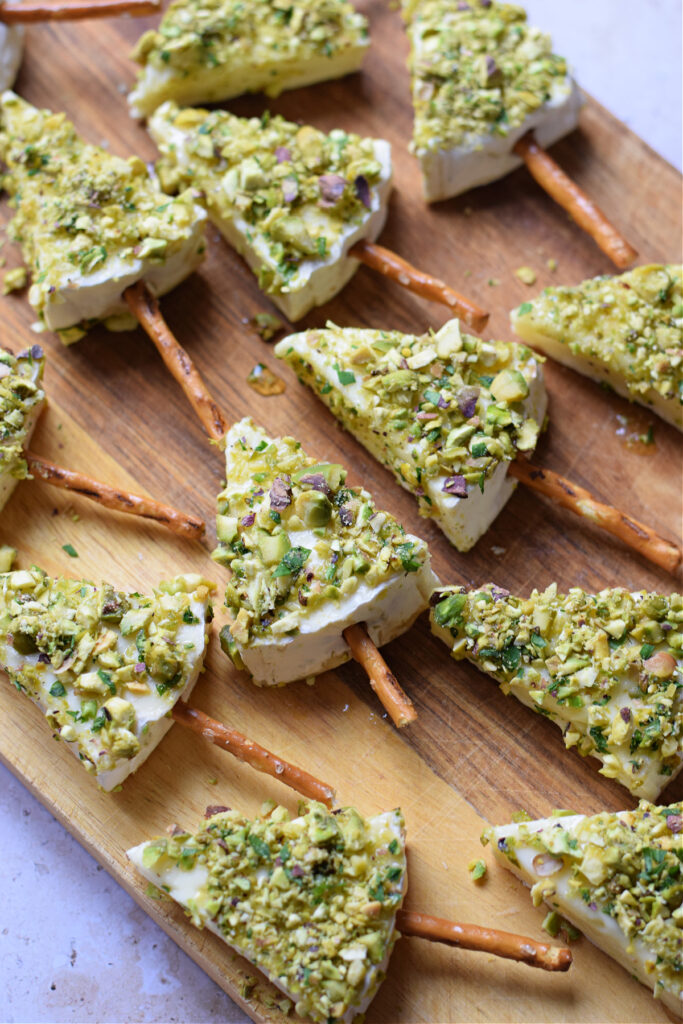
(11, 52)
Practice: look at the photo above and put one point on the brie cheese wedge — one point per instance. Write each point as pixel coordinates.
(309, 556)
(616, 877)
(445, 412)
(205, 51)
(103, 666)
(607, 668)
(289, 198)
(11, 52)
(481, 78)
(311, 902)
(624, 331)
(22, 400)
(89, 224)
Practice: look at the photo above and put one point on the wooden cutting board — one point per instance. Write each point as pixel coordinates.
(473, 754)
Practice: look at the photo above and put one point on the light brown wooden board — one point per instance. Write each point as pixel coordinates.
(473, 752)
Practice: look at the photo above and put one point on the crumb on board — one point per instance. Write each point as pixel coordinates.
(14, 280)
(527, 275)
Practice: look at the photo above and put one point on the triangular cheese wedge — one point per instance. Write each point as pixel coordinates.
(310, 902)
(624, 331)
(444, 411)
(105, 667)
(481, 78)
(616, 877)
(21, 402)
(90, 224)
(607, 668)
(11, 52)
(309, 556)
(291, 199)
(203, 52)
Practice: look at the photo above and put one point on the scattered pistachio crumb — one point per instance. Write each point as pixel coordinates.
(552, 265)
(14, 280)
(493, 282)
(551, 923)
(267, 325)
(477, 869)
(526, 275)
(247, 987)
(7, 556)
(521, 815)
(213, 780)
(70, 550)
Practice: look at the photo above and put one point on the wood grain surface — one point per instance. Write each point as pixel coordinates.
(473, 753)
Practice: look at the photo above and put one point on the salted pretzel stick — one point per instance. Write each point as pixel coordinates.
(254, 755)
(145, 308)
(574, 200)
(56, 10)
(569, 495)
(395, 267)
(382, 679)
(113, 497)
(484, 940)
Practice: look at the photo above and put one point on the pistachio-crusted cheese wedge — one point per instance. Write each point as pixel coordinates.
(310, 556)
(607, 668)
(445, 412)
(481, 78)
(291, 199)
(626, 331)
(105, 667)
(209, 50)
(11, 52)
(616, 877)
(21, 402)
(311, 902)
(90, 224)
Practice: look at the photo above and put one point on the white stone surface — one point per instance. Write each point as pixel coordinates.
(73, 946)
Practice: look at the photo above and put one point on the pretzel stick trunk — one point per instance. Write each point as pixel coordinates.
(113, 497)
(395, 267)
(145, 308)
(484, 940)
(569, 495)
(44, 10)
(382, 679)
(574, 200)
(251, 753)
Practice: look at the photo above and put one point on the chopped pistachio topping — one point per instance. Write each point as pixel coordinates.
(21, 395)
(628, 866)
(443, 405)
(81, 212)
(198, 36)
(607, 667)
(292, 190)
(92, 656)
(296, 537)
(478, 69)
(310, 901)
(631, 324)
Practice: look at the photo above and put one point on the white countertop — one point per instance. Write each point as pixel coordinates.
(98, 956)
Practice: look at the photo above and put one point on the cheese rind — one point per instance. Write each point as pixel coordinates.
(11, 52)
(22, 400)
(290, 199)
(444, 411)
(625, 331)
(311, 902)
(616, 877)
(607, 668)
(210, 50)
(104, 667)
(90, 224)
(310, 556)
(481, 78)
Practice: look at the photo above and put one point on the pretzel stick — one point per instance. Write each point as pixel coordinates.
(408, 276)
(258, 757)
(382, 679)
(145, 308)
(484, 940)
(45, 10)
(569, 495)
(113, 497)
(574, 200)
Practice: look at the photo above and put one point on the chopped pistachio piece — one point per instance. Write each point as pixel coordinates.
(607, 668)
(626, 331)
(22, 399)
(290, 198)
(105, 667)
(311, 901)
(14, 280)
(208, 50)
(89, 223)
(527, 275)
(309, 556)
(444, 411)
(616, 877)
(477, 870)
